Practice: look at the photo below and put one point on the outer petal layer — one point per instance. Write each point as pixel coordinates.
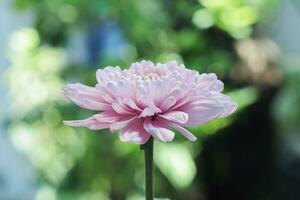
(135, 132)
(158, 130)
(96, 122)
(85, 97)
(184, 132)
(206, 109)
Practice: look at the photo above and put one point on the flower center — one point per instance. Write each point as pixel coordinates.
(149, 76)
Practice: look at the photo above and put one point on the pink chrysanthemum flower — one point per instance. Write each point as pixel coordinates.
(150, 100)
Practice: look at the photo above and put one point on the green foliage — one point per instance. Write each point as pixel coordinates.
(233, 16)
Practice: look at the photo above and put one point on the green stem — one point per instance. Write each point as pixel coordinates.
(148, 149)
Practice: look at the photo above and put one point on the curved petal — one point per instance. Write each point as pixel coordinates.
(121, 124)
(157, 90)
(120, 88)
(218, 86)
(96, 122)
(105, 95)
(228, 109)
(210, 82)
(168, 103)
(119, 108)
(85, 96)
(131, 104)
(184, 132)
(107, 74)
(135, 133)
(158, 130)
(91, 123)
(176, 116)
(205, 110)
(148, 112)
(147, 101)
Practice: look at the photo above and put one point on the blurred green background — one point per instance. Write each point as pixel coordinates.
(252, 45)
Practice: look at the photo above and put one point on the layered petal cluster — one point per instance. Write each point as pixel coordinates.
(150, 100)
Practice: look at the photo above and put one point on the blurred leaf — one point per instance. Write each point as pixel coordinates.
(244, 97)
(176, 163)
(236, 17)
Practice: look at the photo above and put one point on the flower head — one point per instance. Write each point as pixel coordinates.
(150, 100)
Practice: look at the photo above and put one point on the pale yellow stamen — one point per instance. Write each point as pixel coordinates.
(150, 76)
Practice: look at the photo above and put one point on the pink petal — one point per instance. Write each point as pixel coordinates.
(150, 109)
(135, 133)
(199, 116)
(148, 112)
(120, 88)
(108, 74)
(176, 92)
(228, 109)
(168, 103)
(158, 131)
(210, 82)
(205, 110)
(218, 86)
(181, 102)
(107, 117)
(176, 116)
(184, 132)
(121, 124)
(95, 122)
(90, 123)
(131, 104)
(120, 108)
(105, 95)
(157, 90)
(147, 101)
(85, 97)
